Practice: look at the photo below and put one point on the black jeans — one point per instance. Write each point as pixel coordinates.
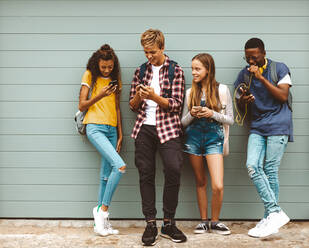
(146, 145)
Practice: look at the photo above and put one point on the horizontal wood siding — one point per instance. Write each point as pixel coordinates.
(47, 170)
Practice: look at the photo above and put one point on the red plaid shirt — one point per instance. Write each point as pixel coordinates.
(167, 121)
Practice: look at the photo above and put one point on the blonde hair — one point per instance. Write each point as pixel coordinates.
(212, 94)
(152, 37)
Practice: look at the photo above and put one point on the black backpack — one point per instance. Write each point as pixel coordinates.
(274, 78)
(171, 71)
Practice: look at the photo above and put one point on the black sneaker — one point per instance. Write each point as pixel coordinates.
(201, 228)
(171, 232)
(219, 228)
(150, 234)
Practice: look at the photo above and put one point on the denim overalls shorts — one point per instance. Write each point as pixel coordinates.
(204, 136)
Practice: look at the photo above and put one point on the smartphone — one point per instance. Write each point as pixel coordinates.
(247, 91)
(143, 86)
(197, 107)
(113, 83)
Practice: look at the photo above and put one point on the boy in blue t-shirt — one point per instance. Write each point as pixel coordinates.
(270, 130)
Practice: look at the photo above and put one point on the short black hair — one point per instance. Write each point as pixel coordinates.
(255, 43)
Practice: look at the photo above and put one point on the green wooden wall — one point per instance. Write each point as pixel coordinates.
(48, 170)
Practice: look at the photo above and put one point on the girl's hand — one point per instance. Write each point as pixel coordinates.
(195, 110)
(107, 90)
(119, 144)
(205, 112)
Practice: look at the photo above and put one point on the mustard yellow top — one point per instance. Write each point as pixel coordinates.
(104, 110)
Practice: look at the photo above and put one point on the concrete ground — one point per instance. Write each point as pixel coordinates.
(79, 234)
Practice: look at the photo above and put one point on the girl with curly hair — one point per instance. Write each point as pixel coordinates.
(102, 78)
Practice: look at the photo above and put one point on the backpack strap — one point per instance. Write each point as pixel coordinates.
(273, 72)
(275, 80)
(142, 71)
(171, 73)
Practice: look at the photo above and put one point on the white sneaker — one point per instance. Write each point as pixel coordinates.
(99, 225)
(103, 226)
(258, 231)
(278, 219)
(254, 232)
(108, 225)
(110, 229)
(266, 230)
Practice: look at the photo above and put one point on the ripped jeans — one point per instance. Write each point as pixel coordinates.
(264, 155)
(104, 139)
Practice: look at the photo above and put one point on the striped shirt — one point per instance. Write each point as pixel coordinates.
(168, 123)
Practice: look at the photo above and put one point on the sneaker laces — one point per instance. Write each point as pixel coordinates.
(107, 224)
(201, 225)
(174, 228)
(149, 227)
(268, 220)
(222, 225)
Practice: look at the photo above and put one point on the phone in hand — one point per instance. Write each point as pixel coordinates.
(143, 87)
(199, 108)
(246, 91)
(113, 83)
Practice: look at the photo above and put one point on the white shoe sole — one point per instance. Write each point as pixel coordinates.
(200, 231)
(168, 237)
(262, 236)
(114, 232)
(152, 244)
(221, 232)
(269, 234)
(100, 234)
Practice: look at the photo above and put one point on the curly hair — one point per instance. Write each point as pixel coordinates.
(104, 53)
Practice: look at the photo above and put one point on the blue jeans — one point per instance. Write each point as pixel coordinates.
(264, 155)
(104, 139)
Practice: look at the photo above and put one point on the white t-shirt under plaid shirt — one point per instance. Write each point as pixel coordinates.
(151, 106)
(168, 123)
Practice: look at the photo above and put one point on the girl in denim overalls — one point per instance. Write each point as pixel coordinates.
(104, 129)
(203, 116)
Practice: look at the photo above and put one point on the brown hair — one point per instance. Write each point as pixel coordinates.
(212, 94)
(152, 37)
(105, 53)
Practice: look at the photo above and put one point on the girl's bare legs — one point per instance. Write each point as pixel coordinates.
(201, 182)
(216, 171)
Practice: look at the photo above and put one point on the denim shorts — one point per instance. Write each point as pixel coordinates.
(204, 137)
